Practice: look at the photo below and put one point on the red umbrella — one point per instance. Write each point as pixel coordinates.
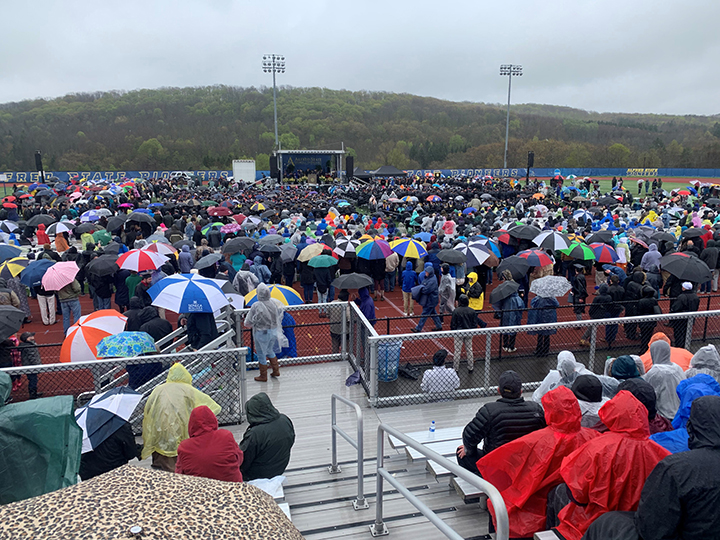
(219, 211)
(638, 241)
(240, 218)
(25, 196)
(604, 253)
(536, 257)
(9, 198)
(502, 236)
(9, 205)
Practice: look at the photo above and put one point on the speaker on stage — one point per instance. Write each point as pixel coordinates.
(349, 166)
(274, 168)
(38, 161)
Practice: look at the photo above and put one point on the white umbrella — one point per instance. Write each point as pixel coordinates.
(551, 240)
(475, 252)
(105, 414)
(188, 293)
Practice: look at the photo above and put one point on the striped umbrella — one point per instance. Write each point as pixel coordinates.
(63, 226)
(12, 267)
(579, 251)
(345, 247)
(373, 250)
(105, 414)
(433, 198)
(141, 259)
(126, 345)
(583, 214)
(8, 226)
(574, 237)
(258, 207)
(83, 337)
(551, 240)
(476, 253)
(161, 248)
(408, 198)
(536, 257)
(286, 295)
(215, 225)
(407, 247)
(188, 293)
(90, 215)
(604, 253)
(59, 275)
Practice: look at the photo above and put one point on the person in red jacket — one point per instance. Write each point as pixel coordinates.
(42, 236)
(209, 452)
(608, 472)
(526, 469)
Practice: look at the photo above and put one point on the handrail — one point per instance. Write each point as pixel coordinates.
(379, 529)
(361, 502)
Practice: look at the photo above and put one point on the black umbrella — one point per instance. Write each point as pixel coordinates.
(46, 193)
(116, 222)
(663, 237)
(84, 227)
(178, 245)
(208, 260)
(601, 237)
(113, 248)
(140, 217)
(451, 256)
(524, 232)
(11, 319)
(517, 265)
(352, 281)
(502, 291)
(105, 265)
(713, 200)
(694, 232)
(328, 240)
(270, 239)
(486, 196)
(34, 221)
(608, 201)
(686, 267)
(270, 248)
(268, 213)
(235, 245)
(288, 253)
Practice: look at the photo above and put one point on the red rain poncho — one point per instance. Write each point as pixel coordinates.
(608, 473)
(526, 469)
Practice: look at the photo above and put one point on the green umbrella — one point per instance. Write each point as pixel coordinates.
(580, 251)
(322, 261)
(209, 203)
(215, 225)
(102, 237)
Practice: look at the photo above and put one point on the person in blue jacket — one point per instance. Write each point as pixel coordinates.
(409, 280)
(544, 311)
(428, 299)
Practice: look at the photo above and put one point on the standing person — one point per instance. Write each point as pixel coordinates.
(185, 260)
(446, 291)
(46, 303)
(377, 272)
(599, 310)
(30, 356)
(428, 299)
(709, 256)
(632, 294)
(265, 320)
(337, 329)
(142, 288)
(544, 311)
(409, 280)
(647, 305)
(102, 287)
(122, 295)
(307, 281)
(686, 302)
(20, 291)
(323, 277)
(509, 311)
(391, 265)
(579, 291)
(70, 304)
(463, 318)
(201, 328)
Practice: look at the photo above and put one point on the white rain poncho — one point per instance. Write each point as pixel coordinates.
(265, 319)
(664, 377)
(706, 360)
(568, 369)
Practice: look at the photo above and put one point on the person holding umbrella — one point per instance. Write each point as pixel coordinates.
(508, 306)
(578, 293)
(265, 320)
(428, 299)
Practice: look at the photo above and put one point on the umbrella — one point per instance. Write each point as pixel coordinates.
(345, 247)
(433, 198)
(104, 212)
(272, 239)
(63, 226)
(140, 217)
(46, 219)
(90, 215)
(639, 242)
(373, 250)
(313, 250)
(105, 265)
(536, 257)
(503, 290)
(230, 228)
(219, 211)
(258, 207)
(663, 237)
(574, 238)
(286, 295)
(486, 196)
(713, 200)
(9, 226)
(106, 413)
(550, 286)
(604, 253)
(268, 213)
(180, 243)
(477, 254)
(583, 214)
(580, 251)
(424, 236)
(552, 240)
(209, 203)
(694, 232)
(188, 293)
(102, 237)
(406, 247)
(469, 210)
(236, 245)
(11, 319)
(83, 337)
(215, 225)
(686, 267)
(452, 256)
(32, 275)
(208, 260)
(608, 201)
(59, 275)
(322, 261)
(86, 227)
(12, 267)
(517, 265)
(352, 281)
(116, 222)
(579, 198)
(126, 345)
(600, 237)
(138, 260)
(158, 247)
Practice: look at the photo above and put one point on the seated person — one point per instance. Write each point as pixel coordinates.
(664, 377)
(267, 441)
(113, 452)
(497, 423)
(209, 452)
(608, 472)
(678, 356)
(526, 469)
(589, 392)
(440, 382)
(680, 498)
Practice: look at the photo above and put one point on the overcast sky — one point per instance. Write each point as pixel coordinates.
(609, 55)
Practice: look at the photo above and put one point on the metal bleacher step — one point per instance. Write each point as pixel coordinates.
(545, 535)
(424, 437)
(437, 470)
(444, 448)
(468, 492)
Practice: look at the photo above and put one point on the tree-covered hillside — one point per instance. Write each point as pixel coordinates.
(207, 127)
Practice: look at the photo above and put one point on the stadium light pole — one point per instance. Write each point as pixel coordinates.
(511, 70)
(274, 63)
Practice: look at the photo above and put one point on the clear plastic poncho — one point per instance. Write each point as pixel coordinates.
(267, 314)
(664, 377)
(568, 369)
(706, 360)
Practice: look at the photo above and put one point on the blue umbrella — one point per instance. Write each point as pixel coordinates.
(469, 210)
(155, 205)
(424, 236)
(105, 414)
(144, 211)
(188, 293)
(32, 275)
(9, 252)
(90, 215)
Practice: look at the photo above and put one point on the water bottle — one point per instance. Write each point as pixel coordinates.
(432, 426)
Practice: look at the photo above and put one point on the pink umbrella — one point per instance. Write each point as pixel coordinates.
(75, 195)
(59, 275)
(125, 205)
(230, 228)
(140, 259)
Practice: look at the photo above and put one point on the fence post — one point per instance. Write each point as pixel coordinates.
(242, 369)
(707, 308)
(593, 345)
(378, 528)
(334, 468)
(688, 332)
(373, 344)
(346, 329)
(387, 329)
(488, 355)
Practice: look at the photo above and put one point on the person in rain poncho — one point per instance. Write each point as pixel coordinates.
(678, 356)
(688, 391)
(651, 258)
(645, 394)
(664, 377)
(166, 417)
(589, 392)
(245, 280)
(526, 469)
(446, 291)
(607, 473)
(568, 369)
(706, 360)
(265, 319)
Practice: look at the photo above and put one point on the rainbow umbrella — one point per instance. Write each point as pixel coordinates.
(374, 249)
(576, 250)
(286, 295)
(215, 225)
(604, 253)
(406, 247)
(536, 257)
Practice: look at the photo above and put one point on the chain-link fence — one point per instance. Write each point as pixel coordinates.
(220, 374)
(398, 362)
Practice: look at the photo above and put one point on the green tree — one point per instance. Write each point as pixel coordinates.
(150, 152)
(289, 141)
(618, 155)
(262, 162)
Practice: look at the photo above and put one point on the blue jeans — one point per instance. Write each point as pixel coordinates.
(390, 280)
(308, 293)
(103, 303)
(70, 307)
(429, 311)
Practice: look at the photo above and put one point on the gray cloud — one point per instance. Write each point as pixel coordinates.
(627, 56)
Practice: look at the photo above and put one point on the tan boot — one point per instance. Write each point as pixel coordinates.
(275, 364)
(263, 374)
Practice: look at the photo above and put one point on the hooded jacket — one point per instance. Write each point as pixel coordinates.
(185, 260)
(209, 452)
(651, 258)
(366, 304)
(475, 292)
(664, 377)
(409, 277)
(706, 360)
(678, 356)
(524, 470)
(267, 441)
(608, 472)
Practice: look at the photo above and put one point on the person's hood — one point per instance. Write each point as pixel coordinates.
(688, 391)
(363, 293)
(604, 289)
(186, 248)
(703, 427)
(136, 303)
(429, 267)
(472, 278)
(245, 267)
(624, 367)
(263, 292)
(178, 374)
(625, 414)
(706, 357)
(260, 409)
(660, 352)
(653, 247)
(654, 269)
(148, 314)
(638, 277)
(562, 411)
(257, 260)
(644, 393)
(202, 420)
(408, 265)
(566, 365)
(711, 243)
(588, 388)
(5, 387)
(659, 336)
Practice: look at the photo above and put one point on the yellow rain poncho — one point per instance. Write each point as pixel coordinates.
(476, 302)
(167, 412)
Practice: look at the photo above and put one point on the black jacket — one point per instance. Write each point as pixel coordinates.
(579, 292)
(672, 287)
(201, 329)
(709, 255)
(600, 304)
(463, 318)
(502, 421)
(114, 452)
(687, 301)
(268, 440)
(153, 324)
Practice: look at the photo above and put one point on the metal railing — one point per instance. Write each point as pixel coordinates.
(360, 503)
(380, 529)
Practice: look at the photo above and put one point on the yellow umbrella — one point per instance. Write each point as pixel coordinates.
(12, 267)
(286, 295)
